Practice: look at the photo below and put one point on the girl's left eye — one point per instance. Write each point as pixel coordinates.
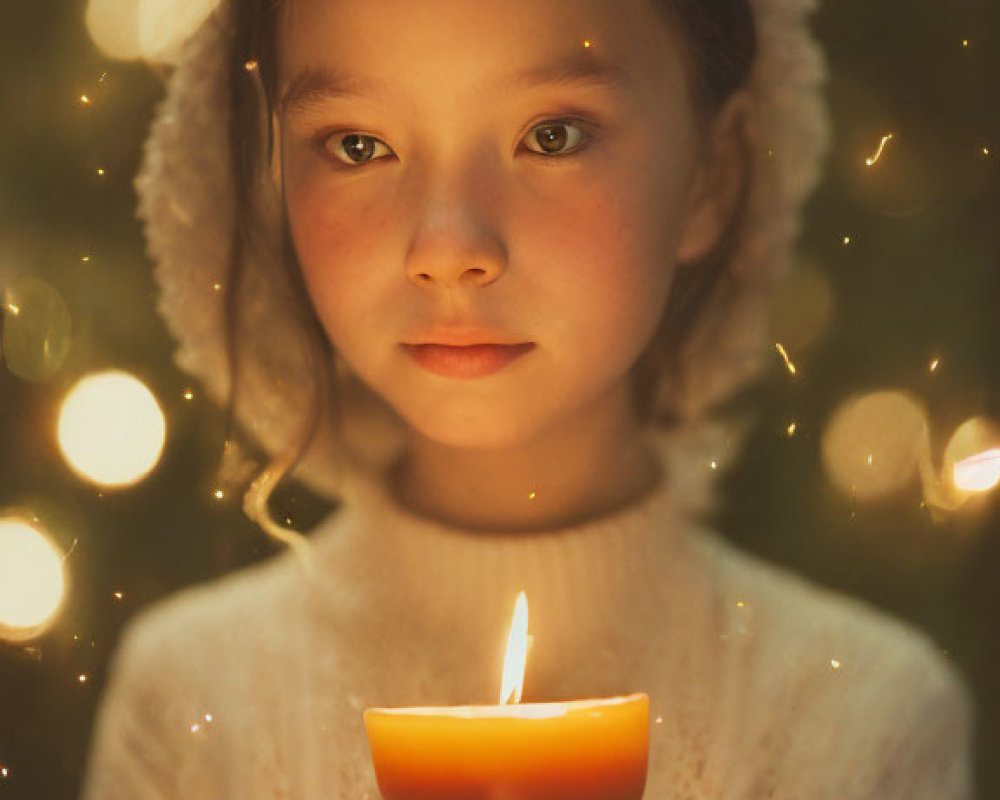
(359, 149)
(551, 140)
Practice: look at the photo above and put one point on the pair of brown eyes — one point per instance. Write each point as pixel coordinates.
(360, 148)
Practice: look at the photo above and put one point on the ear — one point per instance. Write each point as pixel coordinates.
(723, 169)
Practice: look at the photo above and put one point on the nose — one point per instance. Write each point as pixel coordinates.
(457, 240)
(455, 272)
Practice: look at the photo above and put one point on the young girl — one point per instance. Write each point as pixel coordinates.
(481, 271)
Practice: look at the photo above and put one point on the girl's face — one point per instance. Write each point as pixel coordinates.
(437, 173)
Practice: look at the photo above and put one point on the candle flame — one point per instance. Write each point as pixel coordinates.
(978, 473)
(515, 661)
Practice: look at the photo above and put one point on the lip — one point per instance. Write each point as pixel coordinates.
(466, 361)
(459, 335)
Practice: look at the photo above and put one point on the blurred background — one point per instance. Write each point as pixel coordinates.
(872, 467)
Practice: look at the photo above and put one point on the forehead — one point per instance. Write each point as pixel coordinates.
(471, 49)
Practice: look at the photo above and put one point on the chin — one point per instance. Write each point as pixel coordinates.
(469, 428)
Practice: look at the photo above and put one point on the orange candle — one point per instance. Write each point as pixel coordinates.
(572, 750)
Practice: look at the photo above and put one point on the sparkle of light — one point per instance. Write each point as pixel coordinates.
(32, 583)
(516, 659)
(119, 596)
(195, 728)
(784, 355)
(587, 43)
(847, 240)
(4, 771)
(532, 495)
(714, 465)
(251, 65)
(82, 678)
(84, 99)
(85, 259)
(188, 395)
(935, 364)
(217, 287)
(111, 429)
(792, 428)
(834, 663)
(219, 494)
(871, 161)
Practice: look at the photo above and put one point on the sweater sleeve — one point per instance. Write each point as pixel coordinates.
(135, 744)
(926, 738)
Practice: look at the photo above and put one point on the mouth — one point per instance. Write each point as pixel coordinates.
(466, 361)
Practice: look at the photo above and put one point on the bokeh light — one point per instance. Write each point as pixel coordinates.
(873, 444)
(979, 473)
(32, 583)
(111, 429)
(36, 329)
(150, 29)
(802, 309)
(972, 457)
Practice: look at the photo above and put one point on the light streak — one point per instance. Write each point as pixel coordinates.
(872, 160)
(784, 354)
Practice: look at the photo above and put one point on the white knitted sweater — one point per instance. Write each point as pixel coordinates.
(761, 685)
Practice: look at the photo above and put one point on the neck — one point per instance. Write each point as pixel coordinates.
(592, 464)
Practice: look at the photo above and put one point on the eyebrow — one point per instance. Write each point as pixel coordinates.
(314, 85)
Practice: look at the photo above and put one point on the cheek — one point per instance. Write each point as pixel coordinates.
(337, 244)
(613, 250)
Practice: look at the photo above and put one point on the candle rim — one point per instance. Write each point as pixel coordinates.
(544, 710)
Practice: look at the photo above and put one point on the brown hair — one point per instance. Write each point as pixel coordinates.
(719, 41)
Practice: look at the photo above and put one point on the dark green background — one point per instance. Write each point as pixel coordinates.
(912, 285)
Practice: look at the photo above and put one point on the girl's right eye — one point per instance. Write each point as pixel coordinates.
(353, 149)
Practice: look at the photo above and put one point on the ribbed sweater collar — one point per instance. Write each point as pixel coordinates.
(596, 590)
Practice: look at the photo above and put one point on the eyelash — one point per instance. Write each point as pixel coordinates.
(586, 137)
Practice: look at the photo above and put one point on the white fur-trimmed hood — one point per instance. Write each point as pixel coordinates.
(186, 203)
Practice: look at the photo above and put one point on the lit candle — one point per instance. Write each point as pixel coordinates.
(571, 750)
